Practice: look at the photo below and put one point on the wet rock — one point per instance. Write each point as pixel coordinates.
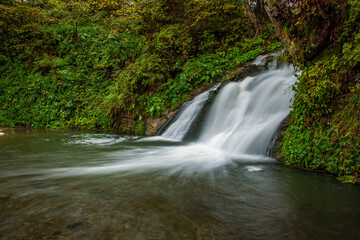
(153, 125)
(273, 149)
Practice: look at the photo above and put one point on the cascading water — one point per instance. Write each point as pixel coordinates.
(246, 114)
(263, 60)
(178, 129)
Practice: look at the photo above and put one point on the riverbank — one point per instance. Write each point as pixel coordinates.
(323, 129)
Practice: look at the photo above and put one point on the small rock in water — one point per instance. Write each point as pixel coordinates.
(4, 199)
(56, 233)
(2, 134)
(76, 225)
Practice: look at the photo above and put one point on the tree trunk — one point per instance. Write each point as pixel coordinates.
(252, 17)
(273, 14)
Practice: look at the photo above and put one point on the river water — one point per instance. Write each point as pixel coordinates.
(217, 185)
(77, 185)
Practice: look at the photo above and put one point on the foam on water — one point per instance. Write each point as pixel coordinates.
(96, 139)
(253, 169)
(188, 159)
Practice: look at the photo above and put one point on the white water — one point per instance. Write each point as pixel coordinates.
(262, 60)
(246, 114)
(188, 115)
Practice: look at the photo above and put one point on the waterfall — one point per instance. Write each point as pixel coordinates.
(188, 114)
(238, 126)
(263, 60)
(246, 114)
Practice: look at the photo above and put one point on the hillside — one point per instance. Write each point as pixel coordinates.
(110, 65)
(113, 65)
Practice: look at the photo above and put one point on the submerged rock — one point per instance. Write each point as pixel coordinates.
(76, 225)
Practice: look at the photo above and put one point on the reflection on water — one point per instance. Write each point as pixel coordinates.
(74, 185)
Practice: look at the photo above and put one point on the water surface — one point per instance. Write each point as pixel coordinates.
(81, 185)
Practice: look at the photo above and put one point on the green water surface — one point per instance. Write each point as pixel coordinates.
(81, 185)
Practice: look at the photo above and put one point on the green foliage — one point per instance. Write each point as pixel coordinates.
(142, 76)
(209, 42)
(139, 128)
(22, 31)
(275, 46)
(89, 64)
(324, 125)
(62, 85)
(348, 179)
(181, 54)
(204, 68)
(142, 16)
(173, 44)
(201, 69)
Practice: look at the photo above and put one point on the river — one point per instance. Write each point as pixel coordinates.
(207, 176)
(80, 185)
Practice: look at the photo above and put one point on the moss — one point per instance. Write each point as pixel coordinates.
(139, 128)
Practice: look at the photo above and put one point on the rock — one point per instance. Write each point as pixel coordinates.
(76, 225)
(273, 149)
(153, 125)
